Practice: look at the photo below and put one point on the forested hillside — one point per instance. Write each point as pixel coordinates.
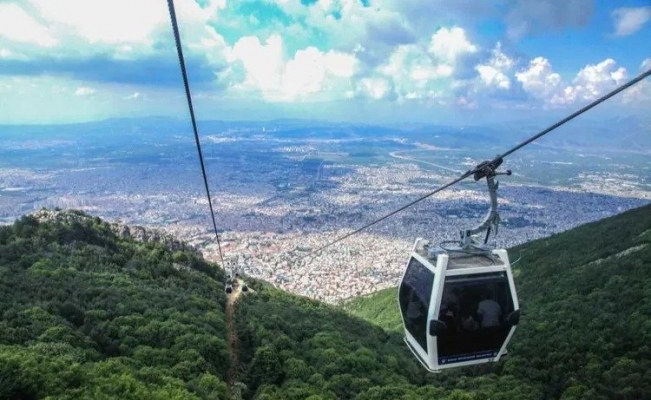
(87, 313)
(585, 331)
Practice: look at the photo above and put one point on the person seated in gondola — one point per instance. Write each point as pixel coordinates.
(489, 311)
(468, 322)
(448, 316)
(450, 300)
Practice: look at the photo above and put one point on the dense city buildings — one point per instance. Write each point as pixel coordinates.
(268, 231)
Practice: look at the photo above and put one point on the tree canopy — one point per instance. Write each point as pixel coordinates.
(88, 313)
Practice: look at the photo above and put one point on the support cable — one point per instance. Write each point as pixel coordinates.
(177, 38)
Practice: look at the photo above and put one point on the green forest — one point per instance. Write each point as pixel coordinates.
(89, 314)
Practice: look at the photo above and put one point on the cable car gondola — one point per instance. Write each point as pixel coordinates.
(458, 304)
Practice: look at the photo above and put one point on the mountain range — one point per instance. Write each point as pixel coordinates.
(607, 134)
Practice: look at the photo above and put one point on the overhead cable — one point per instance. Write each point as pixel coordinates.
(177, 38)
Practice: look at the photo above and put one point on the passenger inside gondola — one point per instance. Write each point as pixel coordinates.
(449, 312)
(489, 311)
(473, 310)
(468, 322)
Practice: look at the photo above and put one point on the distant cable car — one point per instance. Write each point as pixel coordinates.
(228, 286)
(458, 304)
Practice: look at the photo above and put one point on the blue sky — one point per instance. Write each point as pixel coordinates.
(344, 60)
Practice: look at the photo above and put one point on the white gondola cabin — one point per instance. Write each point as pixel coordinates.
(457, 309)
(459, 305)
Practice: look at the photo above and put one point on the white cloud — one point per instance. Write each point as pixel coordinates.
(417, 71)
(646, 65)
(17, 25)
(493, 73)
(628, 20)
(309, 71)
(539, 80)
(374, 28)
(591, 82)
(121, 21)
(84, 91)
(448, 44)
(414, 72)
(118, 29)
(340, 64)
(413, 62)
(304, 73)
(493, 77)
(332, 49)
(640, 94)
(263, 62)
(595, 80)
(375, 88)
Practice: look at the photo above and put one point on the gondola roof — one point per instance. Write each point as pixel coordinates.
(457, 260)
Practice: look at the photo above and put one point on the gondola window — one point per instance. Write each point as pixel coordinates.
(475, 310)
(415, 295)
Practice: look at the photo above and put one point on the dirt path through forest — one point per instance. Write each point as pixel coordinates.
(231, 331)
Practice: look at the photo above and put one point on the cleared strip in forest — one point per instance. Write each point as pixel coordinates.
(231, 331)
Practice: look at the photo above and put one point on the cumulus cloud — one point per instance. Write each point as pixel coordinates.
(110, 41)
(17, 25)
(595, 80)
(592, 81)
(539, 80)
(374, 88)
(628, 20)
(493, 73)
(121, 21)
(421, 70)
(263, 62)
(350, 23)
(84, 91)
(491, 83)
(413, 71)
(309, 71)
(312, 71)
(448, 44)
(297, 51)
(640, 94)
